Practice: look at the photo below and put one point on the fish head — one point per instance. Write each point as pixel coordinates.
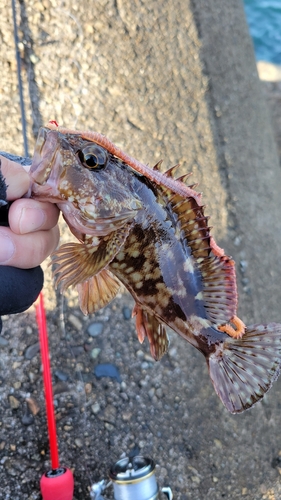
(93, 189)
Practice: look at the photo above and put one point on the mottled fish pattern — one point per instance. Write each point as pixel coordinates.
(147, 230)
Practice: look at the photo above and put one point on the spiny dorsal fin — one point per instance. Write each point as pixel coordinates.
(158, 165)
(218, 271)
(192, 186)
(183, 177)
(171, 171)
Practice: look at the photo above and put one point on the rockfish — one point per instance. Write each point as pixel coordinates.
(147, 230)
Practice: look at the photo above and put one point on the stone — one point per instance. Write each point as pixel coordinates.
(107, 370)
(127, 313)
(95, 329)
(33, 405)
(95, 352)
(3, 342)
(75, 322)
(32, 351)
(14, 402)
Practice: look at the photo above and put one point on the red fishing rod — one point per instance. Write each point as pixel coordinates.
(58, 482)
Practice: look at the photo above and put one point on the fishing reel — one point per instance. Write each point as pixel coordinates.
(132, 479)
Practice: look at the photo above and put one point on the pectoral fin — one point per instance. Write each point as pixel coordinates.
(79, 262)
(148, 326)
(97, 292)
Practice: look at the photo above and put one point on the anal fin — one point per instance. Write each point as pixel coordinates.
(149, 326)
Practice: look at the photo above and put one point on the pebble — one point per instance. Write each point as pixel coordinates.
(95, 352)
(110, 414)
(32, 350)
(60, 387)
(243, 265)
(88, 345)
(95, 329)
(76, 350)
(195, 479)
(75, 322)
(127, 312)
(218, 443)
(61, 375)
(109, 427)
(14, 402)
(159, 392)
(78, 442)
(3, 342)
(145, 365)
(107, 370)
(151, 392)
(27, 419)
(88, 388)
(33, 406)
(95, 408)
(126, 416)
(16, 365)
(32, 377)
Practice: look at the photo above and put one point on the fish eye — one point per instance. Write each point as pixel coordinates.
(93, 157)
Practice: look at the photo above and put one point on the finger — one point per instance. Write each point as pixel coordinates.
(16, 178)
(27, 215)
(28, 250)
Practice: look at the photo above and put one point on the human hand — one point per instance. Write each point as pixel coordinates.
(30, 236)
(33, 233)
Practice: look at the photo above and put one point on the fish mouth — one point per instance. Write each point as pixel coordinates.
(45, 169)
(45, 152)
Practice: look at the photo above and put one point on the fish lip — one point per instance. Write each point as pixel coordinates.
(46, 150)
(43, 175)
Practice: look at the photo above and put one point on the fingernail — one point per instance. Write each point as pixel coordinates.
(31, 219)
(7, 249)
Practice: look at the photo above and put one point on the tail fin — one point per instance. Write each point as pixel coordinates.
(243, 370)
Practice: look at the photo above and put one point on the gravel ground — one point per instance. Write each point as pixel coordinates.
(97, 65)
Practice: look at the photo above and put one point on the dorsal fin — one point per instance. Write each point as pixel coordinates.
(219, 292)
(171, 171)
(192, 186)
(183, 177)
(158, 165)
(190, 219)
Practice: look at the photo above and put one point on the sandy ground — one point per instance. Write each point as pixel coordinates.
(94, 65)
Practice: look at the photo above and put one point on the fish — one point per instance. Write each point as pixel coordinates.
(145, 229)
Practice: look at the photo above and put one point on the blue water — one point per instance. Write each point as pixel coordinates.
(264, 20)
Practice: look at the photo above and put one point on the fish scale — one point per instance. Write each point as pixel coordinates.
(148, 230)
